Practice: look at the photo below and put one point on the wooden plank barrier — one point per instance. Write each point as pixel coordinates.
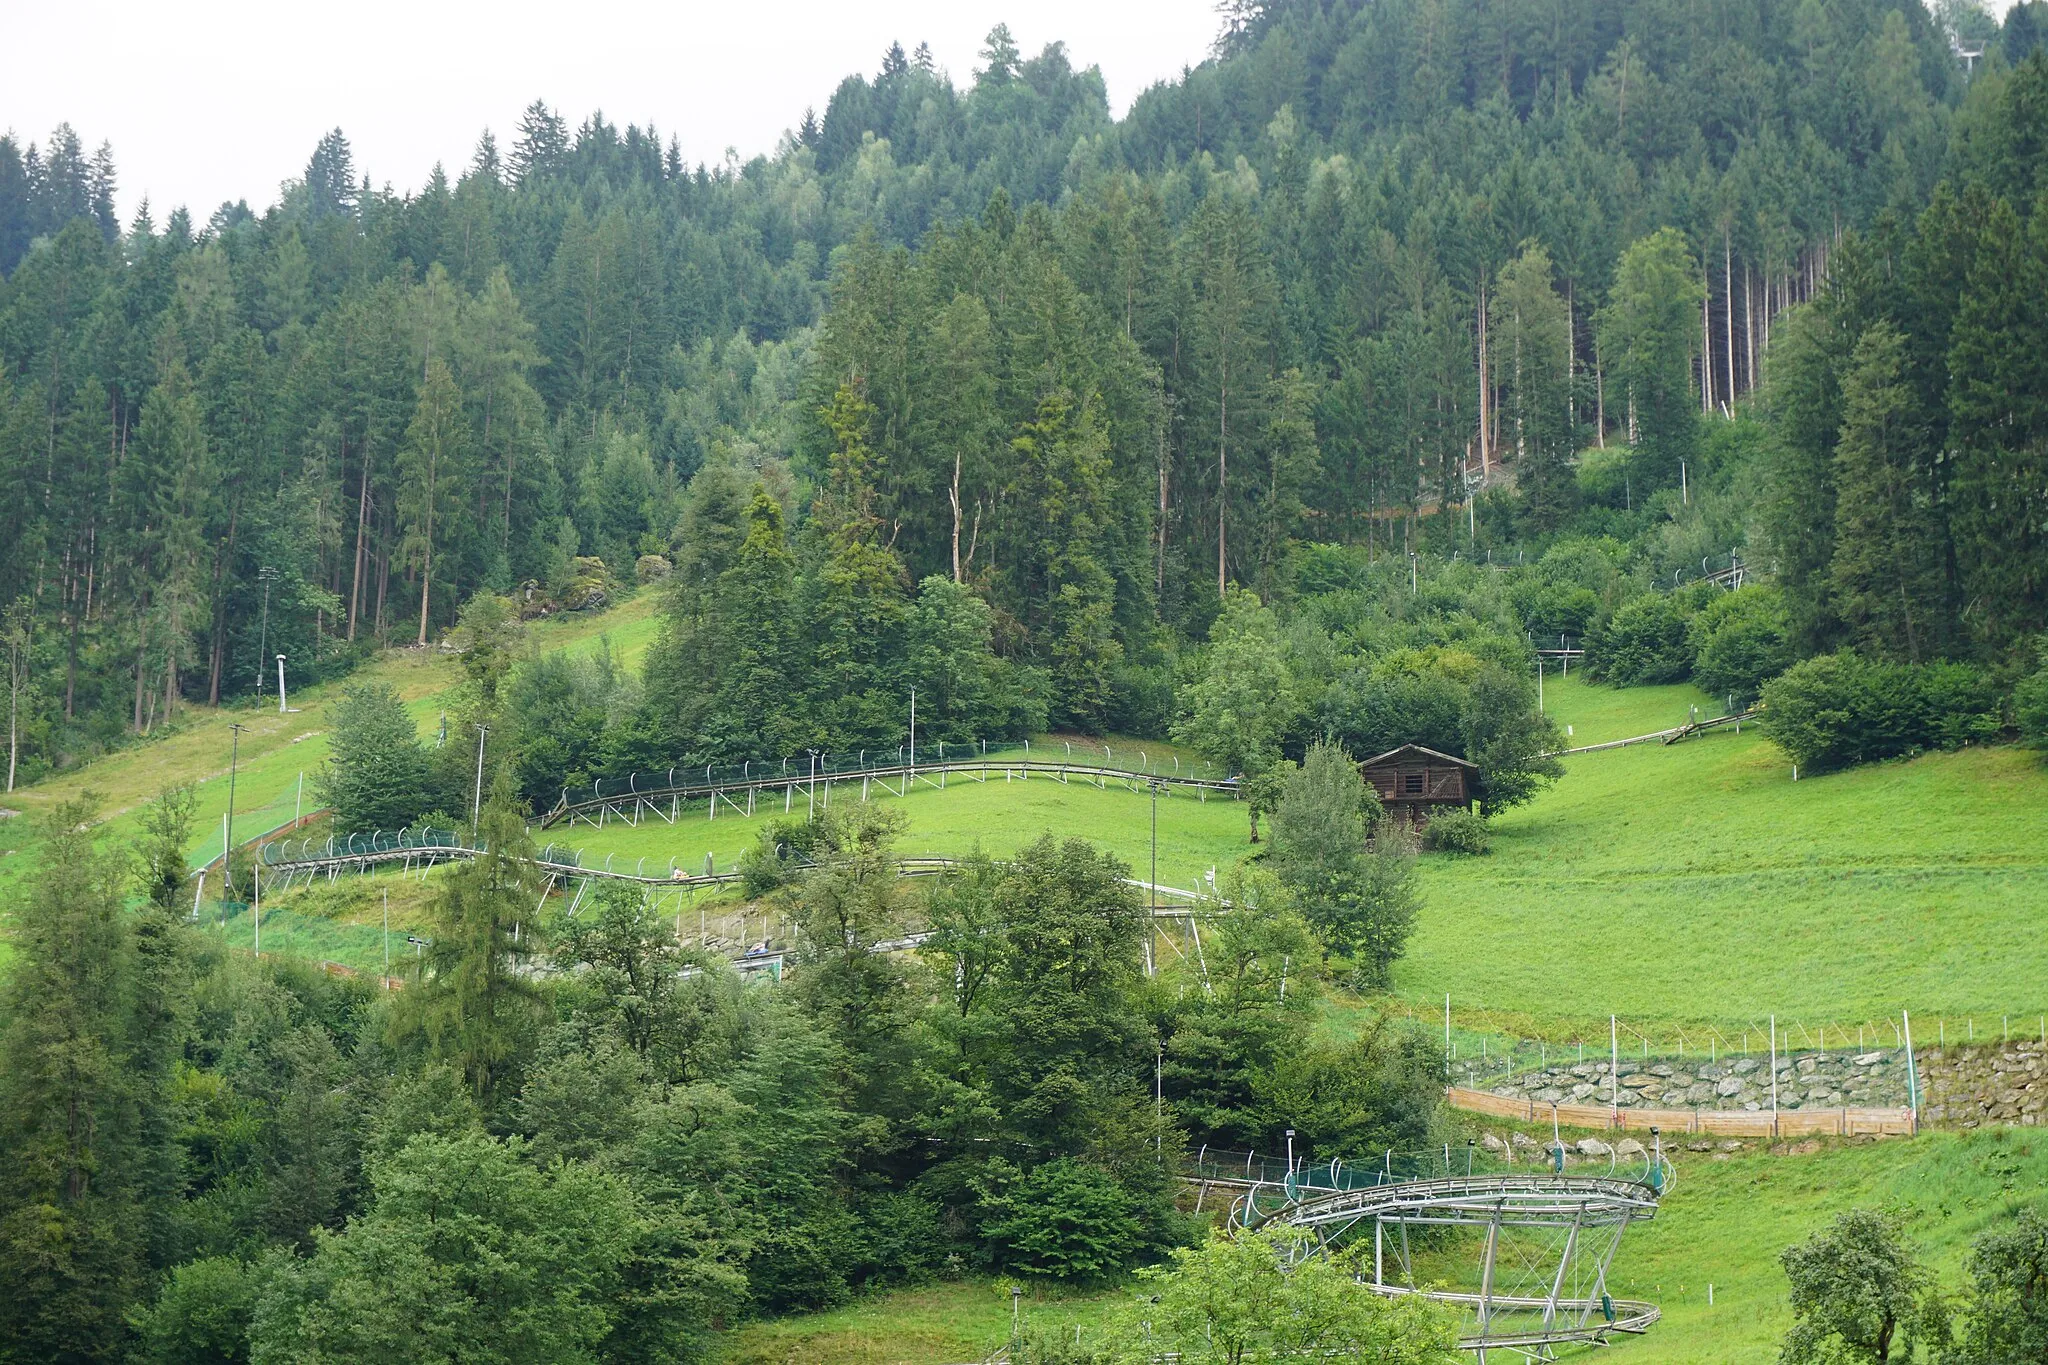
(1725, 1122)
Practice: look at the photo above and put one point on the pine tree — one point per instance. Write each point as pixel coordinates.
(1889, 548)
(1529, 333)
(1646, 337)
(431, 469)
(74, 1109)
(1998, 473)
(475, 1004)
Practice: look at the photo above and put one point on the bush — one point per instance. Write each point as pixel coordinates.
(2030, 704)
(1741, 642)
(1066, 1219)
(1458, 831)
(376, 774)
(1645, 641)
(1838, 710)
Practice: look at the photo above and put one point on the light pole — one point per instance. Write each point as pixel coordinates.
(476, 807)
(280, 684)
(227, 849)
(1158, 1101)
(266, 576)
(1155, 844)
(913, 728)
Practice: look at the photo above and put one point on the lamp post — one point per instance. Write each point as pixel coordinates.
(476, 807)
(227, 849)
(280, 684)
(266, 576)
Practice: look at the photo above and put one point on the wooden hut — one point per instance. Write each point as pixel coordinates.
(1414, 783)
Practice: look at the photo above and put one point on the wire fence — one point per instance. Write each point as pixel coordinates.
(251, 824)
(1137, 762)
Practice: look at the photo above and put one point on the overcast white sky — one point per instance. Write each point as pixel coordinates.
(225, 98)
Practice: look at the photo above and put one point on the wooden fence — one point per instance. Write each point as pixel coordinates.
(1760, 1123)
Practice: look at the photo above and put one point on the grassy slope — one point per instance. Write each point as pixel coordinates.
(275, 750)
(1697, 882)
(1726, 1222)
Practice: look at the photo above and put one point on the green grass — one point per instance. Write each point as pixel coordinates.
(933, 1325)
(1726, 1222)
(275, 749)
(1697, 881)
(998, 816)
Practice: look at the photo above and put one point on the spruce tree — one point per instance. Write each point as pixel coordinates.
(1889, 548)
(79, 1104)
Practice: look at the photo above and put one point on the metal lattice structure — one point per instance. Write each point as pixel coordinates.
(1523, 1255)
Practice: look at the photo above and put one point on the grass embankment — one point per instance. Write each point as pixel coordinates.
(1726, 1222)
(274, 750)
(1698, 882)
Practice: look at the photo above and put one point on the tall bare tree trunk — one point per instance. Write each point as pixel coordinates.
(1706, 338)
(953, 492)
(1485, 451)
(1159, 553)
(1222, 480)
(1728, 306)
(355, 589)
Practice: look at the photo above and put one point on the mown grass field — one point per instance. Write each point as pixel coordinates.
(1697, 881)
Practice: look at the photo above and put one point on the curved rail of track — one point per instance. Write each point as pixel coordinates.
(742, 789)
(314, 859)
(1592, 1211)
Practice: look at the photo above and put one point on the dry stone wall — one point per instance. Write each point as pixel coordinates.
(1966, 1087)
(1806, 1080)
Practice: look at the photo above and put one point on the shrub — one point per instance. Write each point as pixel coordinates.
(1066, 1219)
(2030, 704)
(1645, 641)
(1458, 831)
(1839, 710)
(376, 774)
(1741, 642)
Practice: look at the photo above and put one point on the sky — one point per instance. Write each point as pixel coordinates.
(224, 99)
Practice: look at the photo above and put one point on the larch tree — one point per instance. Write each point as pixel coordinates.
(1646, 337)
(431, 474)
(1531, 336)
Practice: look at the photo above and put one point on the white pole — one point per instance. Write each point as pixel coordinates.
(1539, 684)
(1613, 1063)
(1447, 1036)
(913, 727)
(387, 931)
(299, 801)
(477, 806)
(1774, 1075)
(197, 892)
(280, 684)
(256, 879)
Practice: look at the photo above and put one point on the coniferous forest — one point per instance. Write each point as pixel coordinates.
(1286, 415)
(1373, 277)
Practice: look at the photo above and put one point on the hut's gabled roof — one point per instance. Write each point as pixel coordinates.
(1417, 749)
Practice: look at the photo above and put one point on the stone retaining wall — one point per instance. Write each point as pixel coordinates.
(1967, 1086)
(1806, 1080)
